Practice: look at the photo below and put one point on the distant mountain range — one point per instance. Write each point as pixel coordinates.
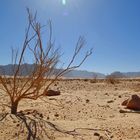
(8, 70)
(126, 74)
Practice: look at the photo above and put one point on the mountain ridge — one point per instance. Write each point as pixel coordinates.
(7, 70)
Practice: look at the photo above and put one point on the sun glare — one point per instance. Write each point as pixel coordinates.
(64, 2)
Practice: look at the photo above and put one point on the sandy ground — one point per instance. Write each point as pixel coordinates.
(90, 108)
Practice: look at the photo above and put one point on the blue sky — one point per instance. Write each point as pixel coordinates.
(111, 27)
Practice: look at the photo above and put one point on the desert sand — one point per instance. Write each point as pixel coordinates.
(86, 109)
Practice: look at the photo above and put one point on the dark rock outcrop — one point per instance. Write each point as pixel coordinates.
(132, 103)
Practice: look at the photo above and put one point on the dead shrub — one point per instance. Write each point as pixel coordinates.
(111, 79)
(43, 72)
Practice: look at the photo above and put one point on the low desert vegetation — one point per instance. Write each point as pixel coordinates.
(94, 79)
(111, 79)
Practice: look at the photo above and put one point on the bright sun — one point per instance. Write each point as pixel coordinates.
(64, 2)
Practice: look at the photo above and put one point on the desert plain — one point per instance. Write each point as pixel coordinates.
(86, 109)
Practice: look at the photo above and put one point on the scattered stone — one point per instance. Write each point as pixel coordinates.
(96, 134)
(41, 115)
(18, 125)
(132, 127)
(55, 84)
(120, 96)
(106, 94)
(56, 115)
(14, 121)
(52, 93)
(122, 111)
(110, 101)
(16, 134)
(112, 136)
(112, 116)
(87, 100)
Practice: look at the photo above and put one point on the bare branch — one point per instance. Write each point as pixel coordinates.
(43, 72)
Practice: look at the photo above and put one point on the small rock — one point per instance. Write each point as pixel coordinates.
(111, 116)
(14, 121)
(87, 100)
(41, 115)
(16, 134)
(112, 136)
(132, 127)
(55, 84)
(120, 96)
(122, 111)
(96, 134)
(106, 94)
(56, 115)
(110, 101)
(52, 93)
(18, 125)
